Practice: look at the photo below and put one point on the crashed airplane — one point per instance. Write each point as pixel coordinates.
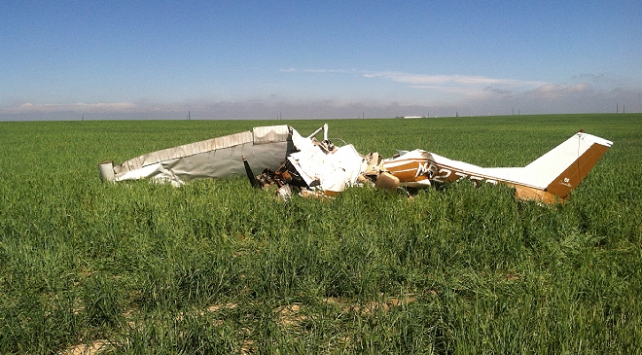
(319, 168)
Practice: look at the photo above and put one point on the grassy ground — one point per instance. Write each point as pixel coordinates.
(217, 267)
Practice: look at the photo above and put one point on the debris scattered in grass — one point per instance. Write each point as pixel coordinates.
(217, 268)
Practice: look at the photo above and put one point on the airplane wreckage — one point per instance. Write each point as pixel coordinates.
(294, 162)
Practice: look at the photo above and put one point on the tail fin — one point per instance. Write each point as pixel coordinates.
(564, 167)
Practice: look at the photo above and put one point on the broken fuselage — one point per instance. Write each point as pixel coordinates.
(323, 168)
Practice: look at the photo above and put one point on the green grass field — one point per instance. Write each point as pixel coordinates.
(218, 267)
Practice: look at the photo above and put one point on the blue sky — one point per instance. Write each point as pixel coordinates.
(317, 59)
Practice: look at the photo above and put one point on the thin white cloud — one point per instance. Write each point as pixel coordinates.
(465, 85)
(460, 90)
(469, 85)
(422, 79)
(75, 107)
(295, 70)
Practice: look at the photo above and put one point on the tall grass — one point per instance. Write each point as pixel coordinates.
(218, 267)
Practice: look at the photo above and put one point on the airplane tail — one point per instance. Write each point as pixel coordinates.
(563, 168)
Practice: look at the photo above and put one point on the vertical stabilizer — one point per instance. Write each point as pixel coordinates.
(564, 167)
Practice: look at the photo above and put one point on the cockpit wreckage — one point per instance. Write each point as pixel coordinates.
(293, 162)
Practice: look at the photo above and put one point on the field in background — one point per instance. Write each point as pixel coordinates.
(217, 267)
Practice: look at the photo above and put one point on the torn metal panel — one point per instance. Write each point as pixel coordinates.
(330, 171)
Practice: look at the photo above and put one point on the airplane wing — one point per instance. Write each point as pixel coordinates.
(265, 147)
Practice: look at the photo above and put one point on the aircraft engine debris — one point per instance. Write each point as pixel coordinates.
(292, 162)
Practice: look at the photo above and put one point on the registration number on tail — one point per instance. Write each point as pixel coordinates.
(441, 174)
